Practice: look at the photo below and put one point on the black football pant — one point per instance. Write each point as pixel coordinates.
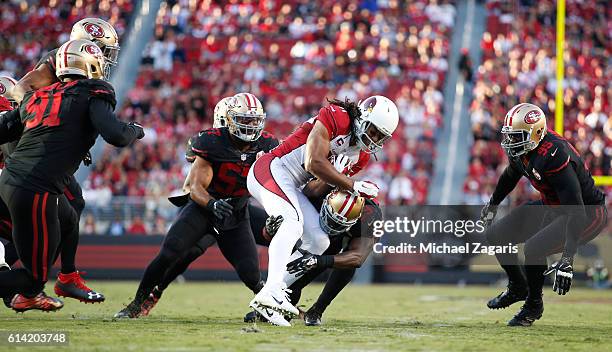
(71, 206)
(542, 230)
(36, 235)
(257, 220)
(192, 224)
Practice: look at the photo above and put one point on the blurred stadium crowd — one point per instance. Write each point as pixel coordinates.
(518, 65)
(292, 55)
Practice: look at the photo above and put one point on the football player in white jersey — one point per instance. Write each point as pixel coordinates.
(276, 179)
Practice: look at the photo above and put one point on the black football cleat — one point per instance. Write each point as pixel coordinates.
(131, 311)
(150, 302)
(253, 317)
(312, 317)
(530, 312)
(7, 301)
(507, 298)
(72, 285)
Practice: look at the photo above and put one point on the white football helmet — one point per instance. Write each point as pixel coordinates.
(220, 114)
(379, 119)
(246, 117)
(6, 85)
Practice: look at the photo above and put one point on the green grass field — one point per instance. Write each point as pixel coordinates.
(208, 317)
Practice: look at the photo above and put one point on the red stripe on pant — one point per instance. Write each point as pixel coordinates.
(35, 239)
(68, 194)
(591, 231)
(45, 237)
(263, 174)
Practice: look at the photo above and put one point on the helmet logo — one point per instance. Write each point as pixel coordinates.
(2, 88)
(532, 117)
(93, 50)
(369, 104)
(94, 30)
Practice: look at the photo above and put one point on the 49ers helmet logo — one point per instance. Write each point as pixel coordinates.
(532, 117)
(2, 89)
(93, 50)
(95, 30)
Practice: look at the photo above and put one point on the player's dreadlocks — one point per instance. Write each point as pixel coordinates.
(351, 107)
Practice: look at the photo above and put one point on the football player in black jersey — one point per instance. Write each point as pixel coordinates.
(571, 211)
(218, 200)
(56, 125)
(69, 282)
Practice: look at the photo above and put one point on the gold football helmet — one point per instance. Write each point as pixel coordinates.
(220, 114)
(6, 85)
(524, 127)
(79, 57)
(105, 37)
(340, 211)
(246, 117)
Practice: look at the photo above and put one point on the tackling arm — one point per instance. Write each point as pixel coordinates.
(315, 159)
(11, 127)
(200, 176)
(35, 79)
(114, 131)
(358, 251)
(506, 183)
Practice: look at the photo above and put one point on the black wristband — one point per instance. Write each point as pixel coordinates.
(326, 261)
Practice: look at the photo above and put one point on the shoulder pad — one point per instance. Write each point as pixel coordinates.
(551, 157)
(268, 141)
(205, 142)
(98, 88)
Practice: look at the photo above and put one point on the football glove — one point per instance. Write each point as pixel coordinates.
(87, 159)
(272, 224)
(564, 272)
(308, 262)
(366, 189)
(342, 164)
(220, 207)
(139, 130)
(487, 214)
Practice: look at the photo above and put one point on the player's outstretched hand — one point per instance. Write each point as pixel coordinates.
(564, 272)
(309, 261)
(220, 207)
(366, 189)
(487, 214)
(139, 130)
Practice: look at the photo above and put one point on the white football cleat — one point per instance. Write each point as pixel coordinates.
(276, 298)
(273, 317)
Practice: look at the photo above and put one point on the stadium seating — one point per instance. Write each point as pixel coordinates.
(519, 65)
(292, 55)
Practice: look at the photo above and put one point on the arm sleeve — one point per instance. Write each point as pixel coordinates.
(11, 126)
(506, 183)
(567, 186)
(113, 131)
